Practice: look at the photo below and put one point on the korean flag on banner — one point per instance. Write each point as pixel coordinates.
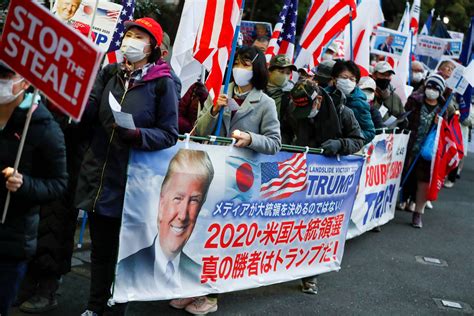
(242, 179)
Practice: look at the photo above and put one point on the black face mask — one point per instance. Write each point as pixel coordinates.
(382, 83)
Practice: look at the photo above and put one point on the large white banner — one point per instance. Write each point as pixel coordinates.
(204, 219)
(379, 183)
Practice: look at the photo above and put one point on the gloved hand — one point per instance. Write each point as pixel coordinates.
(129, 136)
(331, 147)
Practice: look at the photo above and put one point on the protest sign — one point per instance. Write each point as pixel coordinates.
(452, 47)
(250, 30)
(456, 35)
(52, 56)
(107, 17)
(379, 183)
(203, 219)
(436, 47)
(454, 83)
(387, 42)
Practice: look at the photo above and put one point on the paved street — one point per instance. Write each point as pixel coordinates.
(380, 274)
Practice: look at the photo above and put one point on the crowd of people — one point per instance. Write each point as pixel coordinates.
(330, 107)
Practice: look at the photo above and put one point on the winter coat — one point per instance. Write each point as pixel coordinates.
(376, 118)
(357, 102)
(257, 116)
(43, 166)
(392, 102)
(153, 103)
(333, 121)
(414, 104)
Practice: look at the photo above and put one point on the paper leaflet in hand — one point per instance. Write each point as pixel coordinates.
(122, 119)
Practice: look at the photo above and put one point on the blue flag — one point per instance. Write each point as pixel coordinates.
(466, 56)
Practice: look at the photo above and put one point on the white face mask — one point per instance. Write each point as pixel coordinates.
(417, 77)
(432, 94)
(242, 76)
(133, 49)
(6, 90)
(370, 95)
(327, 56)
(345, 85)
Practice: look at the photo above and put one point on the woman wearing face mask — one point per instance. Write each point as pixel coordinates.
(346, 75)
(280, 70)
(250, 116)
(247, 109)
(143, 86)
(425, 106)
(40, 178)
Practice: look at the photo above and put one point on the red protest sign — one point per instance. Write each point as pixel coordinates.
(52, 56)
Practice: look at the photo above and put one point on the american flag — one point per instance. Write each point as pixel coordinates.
(282, 179)
(110, 15)
(283, 37)
(114, 55)
(326, 19)
(214, 40)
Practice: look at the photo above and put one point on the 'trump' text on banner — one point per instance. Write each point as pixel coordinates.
(52, 56)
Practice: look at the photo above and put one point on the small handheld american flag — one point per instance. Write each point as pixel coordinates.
(283, 37)
(282, 179)
(114, 55)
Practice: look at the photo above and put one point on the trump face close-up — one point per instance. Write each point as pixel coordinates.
(67, 8)
(182, 195)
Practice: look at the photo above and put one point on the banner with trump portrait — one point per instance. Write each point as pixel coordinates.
(201, 219)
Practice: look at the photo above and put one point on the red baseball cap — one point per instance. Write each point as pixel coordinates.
(149, 25)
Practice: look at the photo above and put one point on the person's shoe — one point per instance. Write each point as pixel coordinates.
(429, 205)
(202, 305)
(416, 220)
(411, 207)
(181, 303)
(401, 206)
(89, 313)
(38, 304)
(377, 229)
(309, 288)
(448, 184)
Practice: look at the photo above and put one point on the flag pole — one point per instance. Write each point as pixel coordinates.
(350, 33)
(229, 66)
(411, 57)
(20, 150)
(93, 18)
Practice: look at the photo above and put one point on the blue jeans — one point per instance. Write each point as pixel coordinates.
(11, 274)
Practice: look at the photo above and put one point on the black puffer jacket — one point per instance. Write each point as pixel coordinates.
(43, 166)
(334, 121)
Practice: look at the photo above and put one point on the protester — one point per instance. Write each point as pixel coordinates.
(323, 75)
(386, 100)
(305, 73)
(261, 43)
(246, 107)
(322, 124)
(417, 75)
(57, 225)
(40, 178)
(190, 105)
(346, 75)
(143, 86)
(250, 117)
(331, 52)
(166, 55)
(279, 74)
(368, 87)
(425, 106)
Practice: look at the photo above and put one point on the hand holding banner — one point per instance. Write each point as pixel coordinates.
(52, 56)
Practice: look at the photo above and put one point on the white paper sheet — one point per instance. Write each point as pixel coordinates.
(122, 119)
